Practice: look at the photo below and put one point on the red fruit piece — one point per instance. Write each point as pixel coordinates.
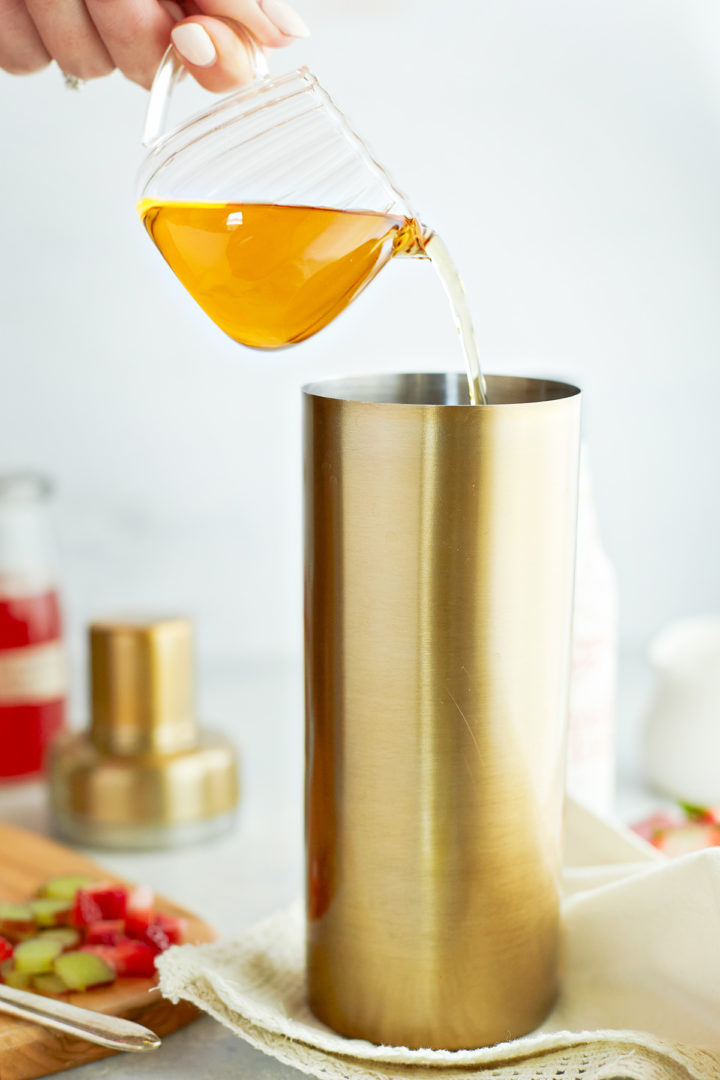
(650, 827)
(707, 815)
(164, 931)
(105, 932)
(96, 903)
(6, 949)
(85, 910)
(135, 958)
(139, 911)
(127, 957)
(687, 838)
(174, 926)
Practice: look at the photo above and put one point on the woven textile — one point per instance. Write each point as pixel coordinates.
(640, 997)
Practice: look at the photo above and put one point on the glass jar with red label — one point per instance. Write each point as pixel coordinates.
(33, 679)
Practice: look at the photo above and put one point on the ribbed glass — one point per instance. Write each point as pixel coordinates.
(279, 141)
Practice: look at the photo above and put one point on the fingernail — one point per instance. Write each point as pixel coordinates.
(194, 44)
(174, 10)
(285, 18)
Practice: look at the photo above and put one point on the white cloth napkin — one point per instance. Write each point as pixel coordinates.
(640, 993)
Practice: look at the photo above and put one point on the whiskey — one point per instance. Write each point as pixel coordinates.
(272, 275)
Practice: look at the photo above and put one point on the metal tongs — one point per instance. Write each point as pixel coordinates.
(110, 1031)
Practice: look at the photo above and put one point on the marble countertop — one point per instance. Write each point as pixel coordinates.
(255, 869)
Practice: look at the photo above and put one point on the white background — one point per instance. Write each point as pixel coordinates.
(570, 155)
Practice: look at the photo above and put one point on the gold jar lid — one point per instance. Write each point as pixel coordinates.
(145, 774)
(143, 694)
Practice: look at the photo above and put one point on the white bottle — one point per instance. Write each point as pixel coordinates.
(593, 680)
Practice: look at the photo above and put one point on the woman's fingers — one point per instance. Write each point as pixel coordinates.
(213, 52)
(216, 54)
(21, 47)
(135, 32)
(273, 23)
(69, 36)
(89, 37)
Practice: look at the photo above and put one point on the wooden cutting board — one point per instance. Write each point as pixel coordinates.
(28, 1050)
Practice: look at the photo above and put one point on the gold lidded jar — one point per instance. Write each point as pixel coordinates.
(145, 774)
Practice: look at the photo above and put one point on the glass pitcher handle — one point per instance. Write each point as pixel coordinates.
(169, 74)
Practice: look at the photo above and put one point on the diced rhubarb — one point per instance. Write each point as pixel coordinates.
(106, 932)
(127, 957)
(68, 936)
(140, 911)
(82, 970)
(100, 901)
(106, 952)
(20, 980)
(6, 949)
(707, 815)
(174, 926)
(65, 887)
(112, 900)
(16, 921)
(648, 827)
(49, 983)
(51, 912)
(687, 838)
(36, 955)
(164, 931)
(85, 909)
(135, 958)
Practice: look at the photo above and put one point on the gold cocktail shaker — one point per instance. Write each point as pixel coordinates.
(145, 774)
(440, 549)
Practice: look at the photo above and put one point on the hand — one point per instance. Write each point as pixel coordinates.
(90, 38)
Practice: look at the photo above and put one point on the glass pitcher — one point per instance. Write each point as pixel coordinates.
(267, 207)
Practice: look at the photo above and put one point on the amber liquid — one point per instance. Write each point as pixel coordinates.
(271, 275)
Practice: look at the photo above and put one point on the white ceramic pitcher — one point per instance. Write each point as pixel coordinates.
(682, 733)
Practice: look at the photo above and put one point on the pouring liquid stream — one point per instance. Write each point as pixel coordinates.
(272, 275)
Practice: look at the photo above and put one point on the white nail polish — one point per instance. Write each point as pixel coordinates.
(285, 18)
(194, 44)
(174, 10)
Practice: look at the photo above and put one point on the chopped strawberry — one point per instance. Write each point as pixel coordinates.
(96, 903)
(105, 932)
(6, 949)
(686, 838)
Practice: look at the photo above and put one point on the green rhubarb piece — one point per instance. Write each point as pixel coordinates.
(49, 911)
(17, 913)
(68, 936)
(65, 887)
(36, 955)
(82, 970)
(49, 983)
(17, 979)
(16, 921)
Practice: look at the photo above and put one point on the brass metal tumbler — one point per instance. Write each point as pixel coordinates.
(440, 551)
